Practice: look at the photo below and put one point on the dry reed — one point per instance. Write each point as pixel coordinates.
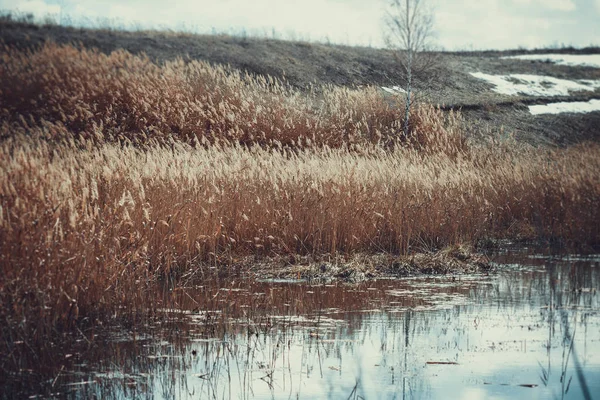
(85, 231)
(90, 220)
(83, 93)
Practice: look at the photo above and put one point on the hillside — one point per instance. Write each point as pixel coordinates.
(302, 64)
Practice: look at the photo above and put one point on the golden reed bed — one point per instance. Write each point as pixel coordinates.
(116, 173)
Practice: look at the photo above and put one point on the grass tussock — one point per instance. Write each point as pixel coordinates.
(116, 174)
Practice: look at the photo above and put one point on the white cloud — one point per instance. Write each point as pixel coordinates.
(500, 24)
(39, 8)
(487, 24)
(557, 5)
(560, 5)
(459, 23)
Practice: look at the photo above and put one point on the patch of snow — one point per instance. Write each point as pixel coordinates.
(566, 107)
(584, 60)
(536, 85)
(394, 90)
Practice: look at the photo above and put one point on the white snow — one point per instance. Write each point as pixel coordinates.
(536, 85)
(585, 60)
(394, 90)
(566, 107)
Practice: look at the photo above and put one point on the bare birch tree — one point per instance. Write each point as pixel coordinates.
(409, 32)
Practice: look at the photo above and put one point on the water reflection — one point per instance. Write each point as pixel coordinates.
(530, 331)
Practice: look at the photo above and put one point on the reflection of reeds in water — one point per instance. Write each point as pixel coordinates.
(263, 339)
(220, 340)
(567, 293)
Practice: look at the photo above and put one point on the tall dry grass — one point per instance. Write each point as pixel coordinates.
(83, 93)
(86, 232)
(116, 173)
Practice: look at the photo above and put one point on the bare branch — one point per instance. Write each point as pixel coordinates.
(409, 31)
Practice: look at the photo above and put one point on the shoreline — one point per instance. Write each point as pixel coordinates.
(361, 267)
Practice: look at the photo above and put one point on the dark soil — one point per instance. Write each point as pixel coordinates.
(304, 64)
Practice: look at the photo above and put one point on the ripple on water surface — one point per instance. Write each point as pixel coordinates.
(532, 330)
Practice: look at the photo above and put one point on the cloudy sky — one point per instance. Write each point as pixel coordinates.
(460, 24)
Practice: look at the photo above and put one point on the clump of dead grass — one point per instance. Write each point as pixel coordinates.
(357, 267)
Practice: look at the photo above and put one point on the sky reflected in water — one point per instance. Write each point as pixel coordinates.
(532, 330)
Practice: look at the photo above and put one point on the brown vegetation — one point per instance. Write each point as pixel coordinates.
(84, 232)
(69, 93)
(305, 65)
(117, 173)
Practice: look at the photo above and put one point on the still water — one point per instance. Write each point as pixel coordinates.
(529, 330)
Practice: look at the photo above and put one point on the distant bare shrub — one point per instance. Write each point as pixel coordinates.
(409, 32)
